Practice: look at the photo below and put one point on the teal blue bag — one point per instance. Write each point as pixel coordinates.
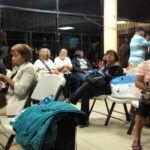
(36, 127)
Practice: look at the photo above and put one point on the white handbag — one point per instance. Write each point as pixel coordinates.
(123, 87)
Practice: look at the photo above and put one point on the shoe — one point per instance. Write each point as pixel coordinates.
(83, 126)
(67, 101)
(136, 145)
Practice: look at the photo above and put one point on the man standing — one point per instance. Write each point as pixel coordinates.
(138, 47)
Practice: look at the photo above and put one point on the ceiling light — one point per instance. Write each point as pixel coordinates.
(66, 28)
(121, 22)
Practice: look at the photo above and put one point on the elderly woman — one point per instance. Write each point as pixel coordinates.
(44, 64)
(87, 90)
(20, 80)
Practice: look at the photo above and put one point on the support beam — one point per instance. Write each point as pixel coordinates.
(110, 25)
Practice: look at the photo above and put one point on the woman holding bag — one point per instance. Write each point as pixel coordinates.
(87, 90)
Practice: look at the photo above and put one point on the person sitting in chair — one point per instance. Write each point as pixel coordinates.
(64, 66)
(88, 90)
(81, 65)
(20, 80)
(44, 64)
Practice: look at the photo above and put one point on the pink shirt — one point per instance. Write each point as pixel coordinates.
(144, 70)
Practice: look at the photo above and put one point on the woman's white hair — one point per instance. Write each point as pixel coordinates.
(48, 52)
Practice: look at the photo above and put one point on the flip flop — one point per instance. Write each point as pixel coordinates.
(136, 145)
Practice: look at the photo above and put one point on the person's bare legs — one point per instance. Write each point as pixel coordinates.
(139, 123)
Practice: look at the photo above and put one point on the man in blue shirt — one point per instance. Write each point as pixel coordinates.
(138, 47)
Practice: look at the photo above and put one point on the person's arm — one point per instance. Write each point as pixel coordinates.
(36, 66)
(7, 79)
(144, 42)
(76, 66)
(139, 83)
(56, 64)
(68, 64)
(25, 81)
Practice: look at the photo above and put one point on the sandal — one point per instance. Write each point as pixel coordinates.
(136, 145)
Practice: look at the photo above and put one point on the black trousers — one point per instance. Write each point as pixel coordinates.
(85, 92)
(72, 83)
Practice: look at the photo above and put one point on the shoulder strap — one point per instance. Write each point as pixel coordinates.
(46, 66)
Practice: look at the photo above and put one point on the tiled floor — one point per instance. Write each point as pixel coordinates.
(99, 137)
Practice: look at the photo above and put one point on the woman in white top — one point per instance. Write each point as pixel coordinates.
(44, 64)
(20, 81)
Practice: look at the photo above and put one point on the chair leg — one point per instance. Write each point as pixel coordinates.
(92, 107)
(131, 124)
(10, 140)
(109, 114)
(126, 112)
(106, 105)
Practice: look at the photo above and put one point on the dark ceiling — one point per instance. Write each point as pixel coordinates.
(127, 9)
(134, 9)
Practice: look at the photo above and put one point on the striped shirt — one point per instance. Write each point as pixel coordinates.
(138, 46)
(144, 70)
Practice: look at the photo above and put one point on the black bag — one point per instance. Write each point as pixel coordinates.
(3, 101)
(96, 80)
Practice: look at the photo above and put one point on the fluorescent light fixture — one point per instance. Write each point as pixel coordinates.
(66, 28)
(121, 22)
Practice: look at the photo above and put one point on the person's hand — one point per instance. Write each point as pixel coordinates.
(64, 70)
(66, 66)
(85, 71)
(2, 77)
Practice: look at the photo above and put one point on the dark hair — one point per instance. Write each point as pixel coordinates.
(115, 54)
(139, 28)
(77, 52)
(24, 50)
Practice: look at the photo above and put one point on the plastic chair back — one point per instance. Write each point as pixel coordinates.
(47, 85)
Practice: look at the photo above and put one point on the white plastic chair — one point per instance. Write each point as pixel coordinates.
(100, 97)
(45, 86)
(119, 101)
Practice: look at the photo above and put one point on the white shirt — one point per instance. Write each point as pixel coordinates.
(59, 63)
(40, 67)
(24, 80)
(83, 63)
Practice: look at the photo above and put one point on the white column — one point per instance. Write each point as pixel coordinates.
(110, 25)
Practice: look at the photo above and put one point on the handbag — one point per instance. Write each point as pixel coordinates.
(96, 78)
(123, 87)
